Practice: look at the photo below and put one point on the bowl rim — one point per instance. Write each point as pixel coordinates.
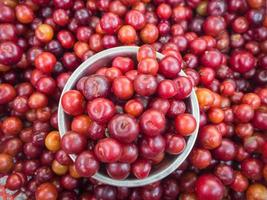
(62, 127)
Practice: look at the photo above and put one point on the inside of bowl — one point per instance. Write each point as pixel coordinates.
(170, 162)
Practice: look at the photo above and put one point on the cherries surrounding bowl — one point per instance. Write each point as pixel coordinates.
(170, 162)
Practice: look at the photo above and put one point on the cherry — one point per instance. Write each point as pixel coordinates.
(167, 89)
(123, 128)
(225, 173)
(6, 163)
(135, 18)
(7, 93)
(185, 124)
(129, 153)
(110, 23)
(240, 183)
(45, 62)
(148, 66)
(73, 102)
(200, 158)
(46, 191)
(161, 105)
(86, 164)
(100, 110)
(212, 59)
(146, 51)
(210, 137)
(122, 87)
(141, 168)
(175, 144)
(124, 64)
(95, 86)
(252, 168)
(108, 150)
(127, 35)
(256, 190)
(73, 142)
(242, 61)
(134, 107)
(209, 186)
(226, 151)
(145, 84)
(118, 170)
(184, 86)
(152, 122)
(170, 66)
(96, 131)
(152, 146)
(10, 53)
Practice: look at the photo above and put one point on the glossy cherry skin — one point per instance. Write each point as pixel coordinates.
(175, 144)
(104, 192)
(252, 168)
(6, 163)
(45, 62)
(95, 86)
(242, 61)
(123, 128)
(200, 158)
(123, 88)
(124, 64)
(243, 113)
(148, 66)
(100, 110)
(256, 190)
(118, 170)
(176, 107)
(73, 142)
(184, 86)
(210, 137)
(161, 105)
(145, 84)
(134, 107)
(81, 124)
(151, 192)
(96, 131)
(225, 173)
(212, 59)
(15, 181)
(152, 122)
(141, 169)
(185, 124)
(226, 151)
(113, 73)
(146, 51)
(259, 119)
(10, 53)
(110, 23)
(209, 187)
(167, 89)
(240, 182)
(86, 164)
(73, 102)
(46, 191)
(127, 35)
(108, 150)
(7, 92)
(149, 147)
(129, 153)
(170, 66)
(136, 19)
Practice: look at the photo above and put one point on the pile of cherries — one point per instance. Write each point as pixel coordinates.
(220, 44)
(134, 115)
